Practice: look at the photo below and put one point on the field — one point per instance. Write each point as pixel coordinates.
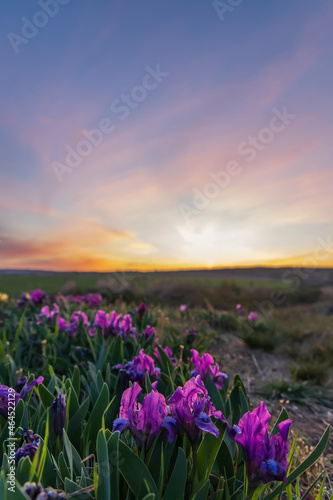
(284, 356)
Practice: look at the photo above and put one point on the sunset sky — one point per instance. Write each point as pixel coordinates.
(180, 94)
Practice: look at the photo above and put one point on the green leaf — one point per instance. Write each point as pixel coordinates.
(117, 353)
(202, 493)
(167, 365)
(283, 416)
(103, 487)
(51, 385)
(312, 458)
(314, 484)
(214, 394)
(78, 417)
(95, 420)
(72, 455)
(76, 381)
(207, 452)
(135, 473)
(148, 383)
(320, 492)
(63, 467)
(114, 458)
(225, 462)
(3, 486)
(101, 357)
(23, 470)
(45, 396)
(177, 482)
(17, 335)
(71, 487)
(40, 457)
(151, 496)
(258, 491)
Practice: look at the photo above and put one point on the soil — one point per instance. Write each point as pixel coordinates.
(258, 370)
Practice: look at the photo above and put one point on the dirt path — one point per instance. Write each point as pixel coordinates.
(309, 407)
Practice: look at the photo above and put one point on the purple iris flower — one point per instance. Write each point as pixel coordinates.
(201, 364)
(136, 370)
(217, 377)
(61, 324)
(253, 317)
(78, 317)
(145, 420)
(239, 309)
(7, 394)
(204, 364)
(149, 331)
(79, 299)
(168, 351)
(38, 297)
(21, 383)
(266, 457)
(110, 324)
(58, 413)
(191, 406)
(23, 300)
(49, 315)
(126, 326)
(141, 310)
(29, 450)
(93, 299)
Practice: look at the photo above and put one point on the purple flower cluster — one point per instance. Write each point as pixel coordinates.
(36, 297)
(58, 414)
(168, 351)
(51, 316)
(72, 328)
(149, 331)
(239, 309)
(136, 370)
(206, 363)
(8, 394)
(29, 450)
(191, 407)
(266, 457)
(253, 317)
(78, 318)
(145, 420)
(112, 324)
(141, 310)
(92, 300)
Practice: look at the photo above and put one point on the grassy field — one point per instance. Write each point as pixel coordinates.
(287, 360)
(15, 284)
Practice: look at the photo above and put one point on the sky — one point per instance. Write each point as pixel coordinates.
(159, 135)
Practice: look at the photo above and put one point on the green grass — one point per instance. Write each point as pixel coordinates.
(15, 284)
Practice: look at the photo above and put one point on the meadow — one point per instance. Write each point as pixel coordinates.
(204, 357)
